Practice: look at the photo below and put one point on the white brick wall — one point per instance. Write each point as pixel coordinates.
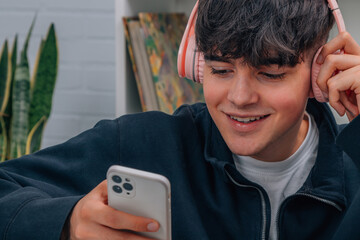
(85, 89)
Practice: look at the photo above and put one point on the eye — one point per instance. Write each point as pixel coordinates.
(220, 72)
(273, 76)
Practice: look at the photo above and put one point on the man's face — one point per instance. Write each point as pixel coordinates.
(258, 111)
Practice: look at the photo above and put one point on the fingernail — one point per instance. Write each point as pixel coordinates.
(152, 227)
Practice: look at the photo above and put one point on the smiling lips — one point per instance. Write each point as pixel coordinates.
(247, 119)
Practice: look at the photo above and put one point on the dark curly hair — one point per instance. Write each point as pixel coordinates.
(262, 32)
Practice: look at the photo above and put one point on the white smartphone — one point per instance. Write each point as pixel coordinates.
(143, 194)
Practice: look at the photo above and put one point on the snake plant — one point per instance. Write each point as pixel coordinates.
(26, 103)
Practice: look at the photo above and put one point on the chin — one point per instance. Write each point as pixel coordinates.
(245, 149)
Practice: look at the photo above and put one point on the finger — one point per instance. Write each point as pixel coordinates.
(101, 191)
(98, 232)
(338, 85)
(335, 63)
(115, 219)
(342, 41)
(83, 212)
(349, 106)
(334, 101)
(347, 80)
(350, 116)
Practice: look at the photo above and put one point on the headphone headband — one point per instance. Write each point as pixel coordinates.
(315, 68)
(189, 31)
(333, 5)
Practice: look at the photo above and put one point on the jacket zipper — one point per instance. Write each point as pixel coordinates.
(263, 204)
(310, 196)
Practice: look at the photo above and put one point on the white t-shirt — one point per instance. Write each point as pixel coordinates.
(282, 179)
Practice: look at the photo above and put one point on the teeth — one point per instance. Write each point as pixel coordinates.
(246, 120)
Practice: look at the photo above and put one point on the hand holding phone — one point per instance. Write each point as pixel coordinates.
(142, 194)
(93, 218)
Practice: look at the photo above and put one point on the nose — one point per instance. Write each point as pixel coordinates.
(243, 90)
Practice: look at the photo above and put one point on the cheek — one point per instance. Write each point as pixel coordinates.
(290, 103)
(214, 91)
(208, 90)
(291, 97)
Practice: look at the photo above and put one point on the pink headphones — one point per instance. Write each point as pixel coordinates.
(190, 62)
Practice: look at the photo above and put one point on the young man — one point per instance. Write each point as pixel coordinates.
(257, 161)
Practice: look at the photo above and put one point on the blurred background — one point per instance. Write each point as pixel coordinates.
(85, 88)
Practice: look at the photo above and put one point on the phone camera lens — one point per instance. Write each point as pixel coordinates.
(117, 189)
(128, 186)
(116, 179)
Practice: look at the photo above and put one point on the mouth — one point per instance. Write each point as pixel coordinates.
(248, 119)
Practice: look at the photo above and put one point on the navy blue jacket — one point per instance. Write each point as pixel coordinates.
(210, 198)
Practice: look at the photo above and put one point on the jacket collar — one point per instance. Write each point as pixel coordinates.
(349, 140)
(326, 179)
(327, 176)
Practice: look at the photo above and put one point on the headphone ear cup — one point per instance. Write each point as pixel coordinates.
(190, 61)
(200, 67)
(194, 61)
(319, 95)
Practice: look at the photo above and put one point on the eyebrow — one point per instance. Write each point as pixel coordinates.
(263, 62)
(277, 60)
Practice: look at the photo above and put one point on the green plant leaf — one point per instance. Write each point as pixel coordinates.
(35, 73)
(14, 56)
(8, 110)
(44, 78)
(20, 110)
(20, 103)
(33, 143)
(3, 140)
(23, 55)
(5, 77)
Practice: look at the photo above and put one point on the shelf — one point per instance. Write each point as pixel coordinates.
(127, 99)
